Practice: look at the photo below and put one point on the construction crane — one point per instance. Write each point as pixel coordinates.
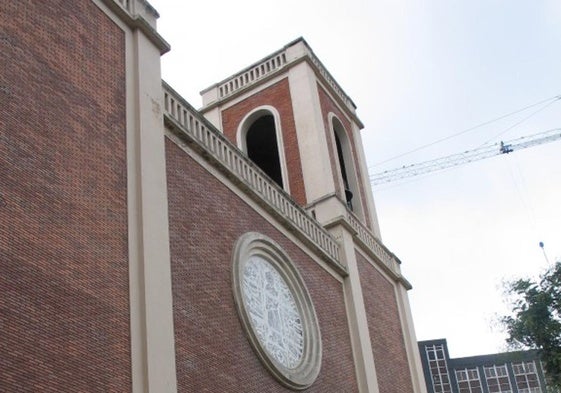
(463, 158)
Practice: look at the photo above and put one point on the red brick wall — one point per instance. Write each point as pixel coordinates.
(64, 314)
(277, 96)
(386, 332)
(213, 354)
(327, 106)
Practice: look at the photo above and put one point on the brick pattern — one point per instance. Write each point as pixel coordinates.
(277, 96)
(64, 313)
(386, 332)
(212, 352)
(327, 106)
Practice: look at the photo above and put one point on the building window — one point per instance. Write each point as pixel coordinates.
(259, 136)
(526, 377)
(438, 369)
(276, 311)
(468, 380)
(497, 379)
(345, 163)
(262, 147)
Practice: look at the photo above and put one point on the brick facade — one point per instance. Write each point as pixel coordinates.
(329, 106)
(385, 328)
(277, 96)
(64, 303)
(65, 296)
(206, 219)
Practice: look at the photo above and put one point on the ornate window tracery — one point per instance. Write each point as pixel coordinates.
(276, 311)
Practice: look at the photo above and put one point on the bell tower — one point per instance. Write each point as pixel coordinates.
(291, 117)
(294, 121)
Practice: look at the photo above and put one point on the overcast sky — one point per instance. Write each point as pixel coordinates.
(420, 71)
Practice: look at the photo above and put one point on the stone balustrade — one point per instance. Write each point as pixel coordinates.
(294, 52)
(373, 244)
(212, 141)
(331, 81)
(126, 4)
(252, 75)
(195, 126)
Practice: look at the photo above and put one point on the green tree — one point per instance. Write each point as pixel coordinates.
(535, 321)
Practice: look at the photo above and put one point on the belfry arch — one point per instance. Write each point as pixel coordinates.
(346, 165)
(259, 136)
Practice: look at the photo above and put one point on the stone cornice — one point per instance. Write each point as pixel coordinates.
(139, 14)
(372, 247)
(270, 67)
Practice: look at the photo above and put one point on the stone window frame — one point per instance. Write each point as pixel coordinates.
(306, 372)
(338, 131)
(245, 124)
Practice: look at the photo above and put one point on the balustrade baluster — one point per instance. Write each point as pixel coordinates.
(213, 141)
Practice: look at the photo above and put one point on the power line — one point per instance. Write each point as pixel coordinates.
(465, 157)
(521, 121)
(552, 99)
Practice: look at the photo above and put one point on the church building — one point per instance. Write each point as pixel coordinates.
(147, 246)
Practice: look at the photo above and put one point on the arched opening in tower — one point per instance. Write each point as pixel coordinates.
(348, 192)
(262, 147)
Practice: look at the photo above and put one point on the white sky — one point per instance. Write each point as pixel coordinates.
(420, 71)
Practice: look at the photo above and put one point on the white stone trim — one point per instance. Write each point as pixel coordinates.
(373, 247)
(365, 179)
(310, 131)
(388, 276)
(294, 52)
(336, 273)
(151, 314)
(149, 229)
(137, 15)
(248, 120)
(410, 338)
(189, 125)
(365, 367)
(307, 369)
(405, 319)
(348, 156)
(264, 85)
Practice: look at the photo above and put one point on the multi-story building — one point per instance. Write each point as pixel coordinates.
(146, 246)
(508, 372)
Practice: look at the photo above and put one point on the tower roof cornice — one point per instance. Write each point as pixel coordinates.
(272, 66)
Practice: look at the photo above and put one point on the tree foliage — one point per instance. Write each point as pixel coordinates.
(535, 321)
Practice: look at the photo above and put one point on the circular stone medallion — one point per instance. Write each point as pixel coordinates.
(276, 311)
